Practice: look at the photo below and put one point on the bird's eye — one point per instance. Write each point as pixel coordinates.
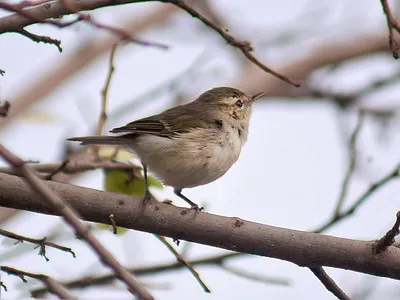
(239, 103)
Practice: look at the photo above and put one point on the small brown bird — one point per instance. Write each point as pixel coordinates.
(189, 145)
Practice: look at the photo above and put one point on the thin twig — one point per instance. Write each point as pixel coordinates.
(30, 3)
(389, 238)
(104, 92)
(392, 24)
(243, 46)
(352, 163)
(41, 243)
(82, 17)
(329, 283)
(4, 107)
(113, 224)
(84, 282)
(41, 39)
(73, 219)
(183, 261)
(256, 277)
(58, 170)
(73, 167)
(395, 173)
(51, 284)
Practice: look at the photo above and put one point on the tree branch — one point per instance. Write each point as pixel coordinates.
(75, 166)
(106, 279)
(352, 164)
(392, 24)
(256, 277)
(72, 218)
(184, 262)
(27, 14)
(228, 233)
(4, 105)
(41, 243)
(395, 173)
(329, 283)
(58, 8)
(51, 285)
(386, 241)
(104, 92)
(41, 39)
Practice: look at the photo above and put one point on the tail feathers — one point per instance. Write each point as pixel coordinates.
(99, 140)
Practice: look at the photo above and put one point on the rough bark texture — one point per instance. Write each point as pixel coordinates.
(302, 248)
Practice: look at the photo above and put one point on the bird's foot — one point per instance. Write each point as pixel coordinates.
(196, 208)
(146, 199)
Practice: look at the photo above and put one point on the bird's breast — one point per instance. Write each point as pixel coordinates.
(190, 159)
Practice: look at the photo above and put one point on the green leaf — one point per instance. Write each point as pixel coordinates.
(120, 230)
(120, 181)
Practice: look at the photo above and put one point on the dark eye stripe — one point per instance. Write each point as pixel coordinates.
(239, 103)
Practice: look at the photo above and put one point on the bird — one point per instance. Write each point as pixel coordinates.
(189, 145)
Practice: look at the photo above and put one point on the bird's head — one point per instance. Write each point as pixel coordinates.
(231, 101)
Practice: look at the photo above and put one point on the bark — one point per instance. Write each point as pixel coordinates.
(302, 248)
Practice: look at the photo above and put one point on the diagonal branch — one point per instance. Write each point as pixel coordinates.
(243, 46)
(41, 243)
(329, 283)
(394, 174)
(73, 219)
(386, 241)
(184, 262)
(392, 25)
(51, 285)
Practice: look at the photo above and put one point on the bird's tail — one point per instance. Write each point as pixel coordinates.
(99, 140)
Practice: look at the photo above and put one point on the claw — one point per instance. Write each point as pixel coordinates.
(146, 199)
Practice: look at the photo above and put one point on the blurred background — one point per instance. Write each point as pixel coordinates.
(291, 171)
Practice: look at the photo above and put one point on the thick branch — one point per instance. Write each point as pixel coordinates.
(302, 248)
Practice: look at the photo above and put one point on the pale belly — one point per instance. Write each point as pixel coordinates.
(188, 161)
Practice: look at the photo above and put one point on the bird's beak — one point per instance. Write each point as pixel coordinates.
(257, 96)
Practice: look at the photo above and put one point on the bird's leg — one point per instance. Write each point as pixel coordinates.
(147, 195)
(193, 205)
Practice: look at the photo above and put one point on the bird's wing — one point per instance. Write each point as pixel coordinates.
(150, 125)
(170, 122)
